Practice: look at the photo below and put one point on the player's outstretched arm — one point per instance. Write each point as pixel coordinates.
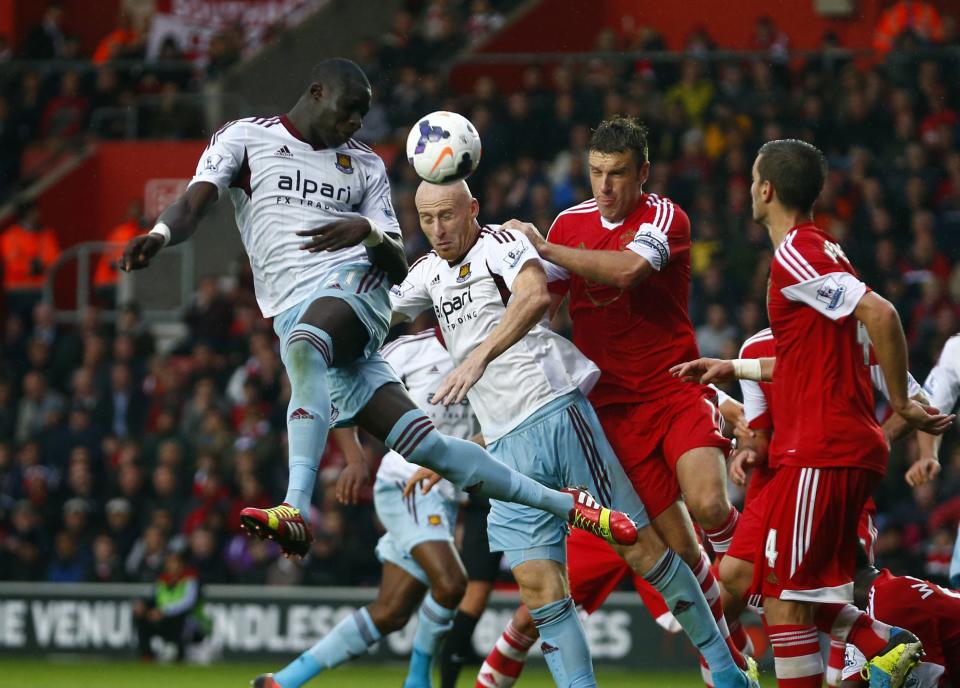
(621, 269)
(707, 371)
(527, 306)
(176, 224)
(890, 346)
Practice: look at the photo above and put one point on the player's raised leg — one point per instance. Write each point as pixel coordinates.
(394, 419)
(326, 333)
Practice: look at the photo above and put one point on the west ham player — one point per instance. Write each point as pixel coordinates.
(627, 255)
(830, 449)
(417, 550)
(943, 387)
(314, 211)
(930, 611)
(489, 292)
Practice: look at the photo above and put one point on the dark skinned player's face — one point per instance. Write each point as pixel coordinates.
(338, 111)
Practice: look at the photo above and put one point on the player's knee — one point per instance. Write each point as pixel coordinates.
(449, 591)
(735, 576)
(304, 360)
(710, 509)
(389, 616)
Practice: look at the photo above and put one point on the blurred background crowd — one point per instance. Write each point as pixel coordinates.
(114, 449)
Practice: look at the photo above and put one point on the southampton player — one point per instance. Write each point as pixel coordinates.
(930, 611)
(489, 292)
(314, 211)
(627, 255)
(829, 447)
(737, 568)
(417, 550)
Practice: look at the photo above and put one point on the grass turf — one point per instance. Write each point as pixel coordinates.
(52, 673)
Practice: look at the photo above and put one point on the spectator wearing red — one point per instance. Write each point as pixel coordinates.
(65, 115)
(920, 18)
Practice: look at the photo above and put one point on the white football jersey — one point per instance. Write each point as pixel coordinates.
(279, 184)
(469, 299)
(421, 363)
(942, 386)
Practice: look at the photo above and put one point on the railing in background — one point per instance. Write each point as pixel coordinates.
(154, 310)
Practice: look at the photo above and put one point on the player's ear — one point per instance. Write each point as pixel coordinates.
(474, 208)
(766, 191)
(316, 90)
(643, 173)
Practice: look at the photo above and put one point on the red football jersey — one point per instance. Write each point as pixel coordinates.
(824, 411)
(633, 335)
(932, 613)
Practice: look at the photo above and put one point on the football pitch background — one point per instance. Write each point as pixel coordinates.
(79, 673)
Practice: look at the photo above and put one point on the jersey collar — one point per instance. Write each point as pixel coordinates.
(295, 133)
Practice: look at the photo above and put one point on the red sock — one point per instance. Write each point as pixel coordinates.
(796, 656)
(711, 590)
(503, 665)
(739, 637)
(847, 624)
(721, 537)
(835, 663)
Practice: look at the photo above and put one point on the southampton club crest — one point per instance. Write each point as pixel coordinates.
(464, 273)
(344, 163)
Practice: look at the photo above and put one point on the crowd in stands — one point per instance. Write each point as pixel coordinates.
(112, 451)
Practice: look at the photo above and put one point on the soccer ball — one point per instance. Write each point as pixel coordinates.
(443, 147)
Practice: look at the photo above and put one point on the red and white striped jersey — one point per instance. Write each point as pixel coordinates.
(279, 184)
(824, 398)
(633, 335)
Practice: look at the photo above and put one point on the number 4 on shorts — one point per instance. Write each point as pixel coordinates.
(770, 549)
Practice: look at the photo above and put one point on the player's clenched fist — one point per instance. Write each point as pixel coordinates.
(139, 251)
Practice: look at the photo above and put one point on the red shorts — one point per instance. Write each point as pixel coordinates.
(596, 570)
(650, 437)
(760, 477)
(867, 529)
(809, 532)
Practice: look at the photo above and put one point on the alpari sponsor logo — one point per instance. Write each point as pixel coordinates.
(310, 192)
(455, 311)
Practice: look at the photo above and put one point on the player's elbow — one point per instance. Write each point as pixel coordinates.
(635, 272)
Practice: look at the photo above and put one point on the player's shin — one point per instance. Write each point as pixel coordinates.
(681, 591)
(433, 623)
(307, 359)
(349, 638)
(847, 624)
(564, 644)
(506, 660)
(470, 467)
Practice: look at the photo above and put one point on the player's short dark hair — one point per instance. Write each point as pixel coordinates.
(621, 134)
(339, 71)
(796, 169)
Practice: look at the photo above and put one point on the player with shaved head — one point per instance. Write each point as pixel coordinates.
(527, 386)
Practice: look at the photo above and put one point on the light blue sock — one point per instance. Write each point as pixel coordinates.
(674, 580)
(564, 644)
(307, 357)
(350, 638)
(470, 467)
(434, 621)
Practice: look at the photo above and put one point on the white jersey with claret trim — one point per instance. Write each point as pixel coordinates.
(421, 363)
(469, 298)
(279, 184)
(942, 385)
